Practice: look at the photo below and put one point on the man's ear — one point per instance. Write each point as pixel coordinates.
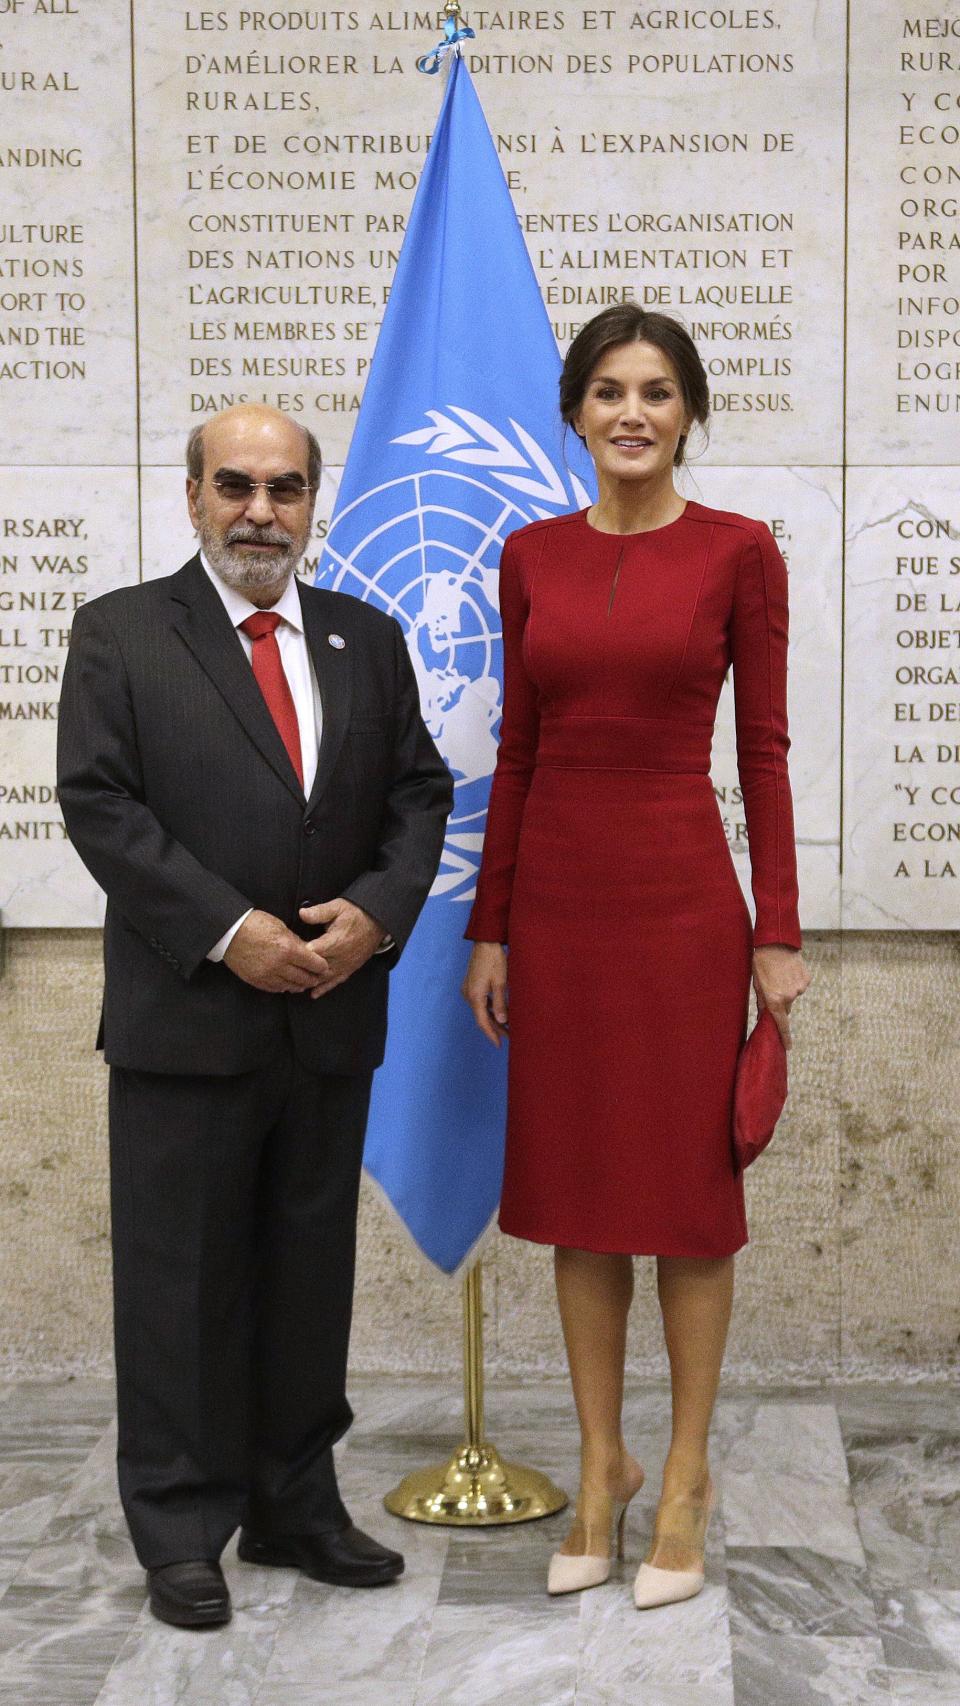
(192, 487)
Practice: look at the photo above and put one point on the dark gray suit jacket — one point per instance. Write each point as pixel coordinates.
(180, 798)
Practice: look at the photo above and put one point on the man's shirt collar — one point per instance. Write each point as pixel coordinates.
(239, 608)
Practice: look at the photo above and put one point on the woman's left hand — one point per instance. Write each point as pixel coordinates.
(779, 977)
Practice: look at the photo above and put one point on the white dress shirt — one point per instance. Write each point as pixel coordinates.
(294, 655)
(298, 669)
(304, 690)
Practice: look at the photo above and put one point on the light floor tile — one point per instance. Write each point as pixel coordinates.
(802, 1440)
(762, 1509)
(503, 1657)
(56, 1646)
(676, 1655)
(353, 1640)
(919, 1688)
(160, 1666)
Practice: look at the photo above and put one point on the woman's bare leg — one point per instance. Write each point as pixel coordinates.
(594, 1293)
(696, 1297)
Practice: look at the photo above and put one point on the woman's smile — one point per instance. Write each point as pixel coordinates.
(632, 445)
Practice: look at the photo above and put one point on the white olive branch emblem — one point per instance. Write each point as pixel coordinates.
(522, 466)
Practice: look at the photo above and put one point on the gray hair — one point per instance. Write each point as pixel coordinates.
(195, 455)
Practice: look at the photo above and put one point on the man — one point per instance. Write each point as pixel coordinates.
(244, 770)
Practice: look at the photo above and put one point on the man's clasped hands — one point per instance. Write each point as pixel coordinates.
(267, 954)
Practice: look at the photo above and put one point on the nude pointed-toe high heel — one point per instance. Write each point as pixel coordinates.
(654, 1586)
(569, 1573)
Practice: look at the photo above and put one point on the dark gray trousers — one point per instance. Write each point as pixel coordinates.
(234, 1203)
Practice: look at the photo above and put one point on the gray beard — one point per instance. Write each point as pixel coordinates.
(247, 571)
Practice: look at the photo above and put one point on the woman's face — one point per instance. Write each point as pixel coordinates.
(632, 414)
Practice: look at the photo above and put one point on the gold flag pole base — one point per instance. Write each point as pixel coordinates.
(476, 1488)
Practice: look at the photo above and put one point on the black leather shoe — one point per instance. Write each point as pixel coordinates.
(192, 1595)
(345, 1556)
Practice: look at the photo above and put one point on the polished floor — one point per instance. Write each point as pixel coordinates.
(833, 1567)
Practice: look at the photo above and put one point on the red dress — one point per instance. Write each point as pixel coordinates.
(606, 870)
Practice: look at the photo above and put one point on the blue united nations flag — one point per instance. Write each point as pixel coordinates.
(457, 443)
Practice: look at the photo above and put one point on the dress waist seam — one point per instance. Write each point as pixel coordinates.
(623, 769)
(549, 719)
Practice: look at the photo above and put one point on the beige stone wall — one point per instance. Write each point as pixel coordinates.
(854, 1262)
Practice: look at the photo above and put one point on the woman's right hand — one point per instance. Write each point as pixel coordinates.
(485, 988)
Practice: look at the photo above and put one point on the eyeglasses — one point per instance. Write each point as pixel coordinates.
(283, 492)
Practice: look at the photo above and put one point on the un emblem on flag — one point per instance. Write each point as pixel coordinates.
(426, 548)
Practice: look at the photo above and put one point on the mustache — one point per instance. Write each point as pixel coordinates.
(246, 534)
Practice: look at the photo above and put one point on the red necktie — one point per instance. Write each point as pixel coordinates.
(273, 684)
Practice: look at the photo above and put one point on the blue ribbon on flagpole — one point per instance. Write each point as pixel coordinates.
(452, 37)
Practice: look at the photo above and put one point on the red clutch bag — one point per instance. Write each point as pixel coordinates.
(760, 1090)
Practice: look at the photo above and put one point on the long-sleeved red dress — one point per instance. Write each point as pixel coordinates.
(607, 872)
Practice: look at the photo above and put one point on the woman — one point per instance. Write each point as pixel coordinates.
(606, 868)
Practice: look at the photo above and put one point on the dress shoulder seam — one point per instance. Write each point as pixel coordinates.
(748, 524)
(541, 525)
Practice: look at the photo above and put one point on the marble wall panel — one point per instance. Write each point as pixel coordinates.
(902, 700)
(277, 152)
(67, 333)
(168, 536)
(903, 355)
(688, 157)
(67, 534)
(802, 506)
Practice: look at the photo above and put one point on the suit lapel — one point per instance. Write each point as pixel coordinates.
(333, 667)
(205, 627)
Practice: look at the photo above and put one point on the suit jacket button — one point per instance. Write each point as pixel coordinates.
(309, 827)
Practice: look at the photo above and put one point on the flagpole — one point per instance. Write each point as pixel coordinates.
(473, 1354)
(475, 1488)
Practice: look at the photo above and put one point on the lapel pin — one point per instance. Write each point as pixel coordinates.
(337, 641)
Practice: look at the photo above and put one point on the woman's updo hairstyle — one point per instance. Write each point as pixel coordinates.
(625, 323)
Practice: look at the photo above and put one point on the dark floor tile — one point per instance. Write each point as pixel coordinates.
(808, 1670)
(793, 1590)
(501, 1566)
(906, 1490)
(921, 1631)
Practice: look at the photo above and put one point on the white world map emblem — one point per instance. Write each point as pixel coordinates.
(426, 547)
